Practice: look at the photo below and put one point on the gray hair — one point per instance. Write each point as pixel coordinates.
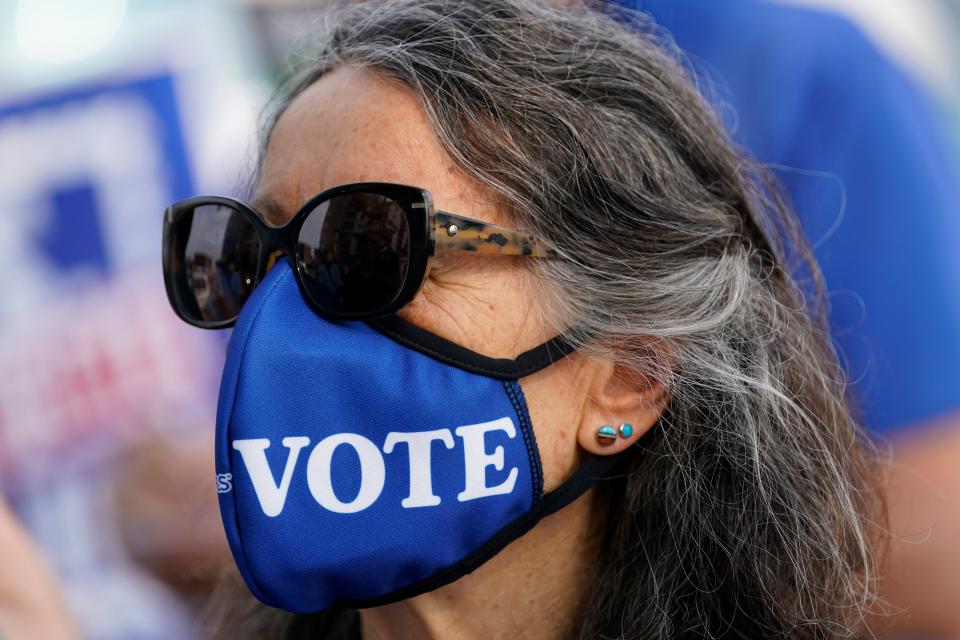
(748, 510)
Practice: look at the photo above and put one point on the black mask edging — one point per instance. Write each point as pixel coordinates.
(441, 349)
(594, 468)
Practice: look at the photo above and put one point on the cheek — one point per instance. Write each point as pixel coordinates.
(479, 303)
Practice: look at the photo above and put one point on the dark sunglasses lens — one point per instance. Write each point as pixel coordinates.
(213, 256)
(354, 253)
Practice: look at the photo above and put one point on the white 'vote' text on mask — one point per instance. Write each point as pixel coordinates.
(273, 495)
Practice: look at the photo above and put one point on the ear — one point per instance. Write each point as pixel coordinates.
(617, 394)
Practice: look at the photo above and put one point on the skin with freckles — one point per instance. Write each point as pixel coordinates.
(355, 126)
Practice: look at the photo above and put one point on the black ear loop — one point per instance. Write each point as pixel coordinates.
(441, 349)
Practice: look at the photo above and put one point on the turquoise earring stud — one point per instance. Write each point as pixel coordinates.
(606, 435)
(625, 430)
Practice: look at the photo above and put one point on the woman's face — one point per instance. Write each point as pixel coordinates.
(355, 126)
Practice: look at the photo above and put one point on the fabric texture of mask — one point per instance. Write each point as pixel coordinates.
(353, 470)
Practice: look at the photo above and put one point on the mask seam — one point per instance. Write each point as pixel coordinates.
(259, 591)
(515, 393)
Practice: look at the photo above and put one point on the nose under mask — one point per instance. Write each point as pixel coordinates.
(354, 469)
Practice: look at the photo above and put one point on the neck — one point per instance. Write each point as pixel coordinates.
(532, 589)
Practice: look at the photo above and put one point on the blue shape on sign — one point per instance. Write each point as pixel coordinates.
(74, 238)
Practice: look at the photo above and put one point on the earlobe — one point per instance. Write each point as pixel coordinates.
(622, 406)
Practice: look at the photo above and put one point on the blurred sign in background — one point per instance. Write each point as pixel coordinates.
(109, 111)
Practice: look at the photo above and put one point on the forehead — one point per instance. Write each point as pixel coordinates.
(352, 125)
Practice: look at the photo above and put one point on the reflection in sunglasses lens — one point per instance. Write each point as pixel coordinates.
(215, 253)
(354, 252)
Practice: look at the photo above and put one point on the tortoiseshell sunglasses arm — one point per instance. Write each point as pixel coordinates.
(466, 234)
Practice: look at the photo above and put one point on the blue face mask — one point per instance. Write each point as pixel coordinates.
(354, 469)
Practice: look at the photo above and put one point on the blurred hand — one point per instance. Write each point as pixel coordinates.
(168, 514)
(30, 604)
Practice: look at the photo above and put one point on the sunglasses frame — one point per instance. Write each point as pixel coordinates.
(428, 229)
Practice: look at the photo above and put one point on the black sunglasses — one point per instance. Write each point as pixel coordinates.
(359, 251)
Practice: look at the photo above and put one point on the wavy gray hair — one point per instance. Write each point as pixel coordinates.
(748, 511)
